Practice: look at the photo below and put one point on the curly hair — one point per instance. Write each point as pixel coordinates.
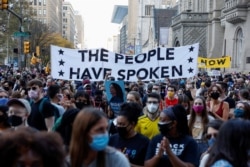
(47, 145)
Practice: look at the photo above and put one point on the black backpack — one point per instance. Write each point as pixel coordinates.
(40, 108)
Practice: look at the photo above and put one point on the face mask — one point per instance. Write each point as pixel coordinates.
(80, 105)
(155, 91)
(171, 94)
(211, 141)
(198, 109)
(33, 94)
(99, 142)
(165, 127)
(6, 88)
(215, 95)
(127, 89)
(3, 101)
(152, 108)
(238, 113)
(122, 131)
(15, 120)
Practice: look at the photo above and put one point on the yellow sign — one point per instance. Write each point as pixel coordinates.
(224, 62)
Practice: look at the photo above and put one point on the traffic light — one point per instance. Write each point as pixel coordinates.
(47, 68)
(4, 4)
(37, 50)
(15, 50)
(26, 47)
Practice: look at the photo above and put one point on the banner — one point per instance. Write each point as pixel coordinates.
(214, 73)
(157, 64)
(224, 62)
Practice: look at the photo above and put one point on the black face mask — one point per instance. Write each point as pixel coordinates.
(165, 127)
(127, 89)
(122, 131)
(6, 88)
(80, 105)
(215, 95)
(15, 120)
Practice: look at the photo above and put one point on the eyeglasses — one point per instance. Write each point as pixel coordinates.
(154, 102)
(81, 101)
(33, 88)
(214, 135)
(121, 125)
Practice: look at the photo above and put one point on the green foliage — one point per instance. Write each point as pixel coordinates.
(41, 34)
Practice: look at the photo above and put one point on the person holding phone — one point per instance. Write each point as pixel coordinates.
(174, 146)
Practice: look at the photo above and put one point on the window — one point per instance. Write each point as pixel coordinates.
(35, 12)
(44, 2)
(39, 11)
(39, 2)
(35, 2)
(238, 49)
(148, 10)
(44, 11)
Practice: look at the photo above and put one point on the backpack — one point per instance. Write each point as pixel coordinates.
(40, 107)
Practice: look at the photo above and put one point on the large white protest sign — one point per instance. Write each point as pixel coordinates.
(157, 64)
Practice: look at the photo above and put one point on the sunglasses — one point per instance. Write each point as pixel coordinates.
(32, 88)
(214, 135)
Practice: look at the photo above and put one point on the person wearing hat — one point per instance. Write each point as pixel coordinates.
(19, 110)
(85, 82)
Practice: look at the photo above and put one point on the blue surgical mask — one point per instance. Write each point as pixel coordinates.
(211, 141)
(3, 101)
(238, 113)
(99, 142)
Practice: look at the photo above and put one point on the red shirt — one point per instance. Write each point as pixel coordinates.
(170, 102)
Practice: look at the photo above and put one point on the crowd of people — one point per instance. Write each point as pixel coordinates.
(189, 122)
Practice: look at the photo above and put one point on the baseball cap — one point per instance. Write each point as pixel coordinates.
(22, 102)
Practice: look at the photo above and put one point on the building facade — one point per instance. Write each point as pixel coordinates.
(220, 27)
(48, 12)
(79, 42)
(138, 33)
(68, 23)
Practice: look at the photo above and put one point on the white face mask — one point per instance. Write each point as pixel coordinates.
(152, 108)
(189, 86)
(155, 91)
